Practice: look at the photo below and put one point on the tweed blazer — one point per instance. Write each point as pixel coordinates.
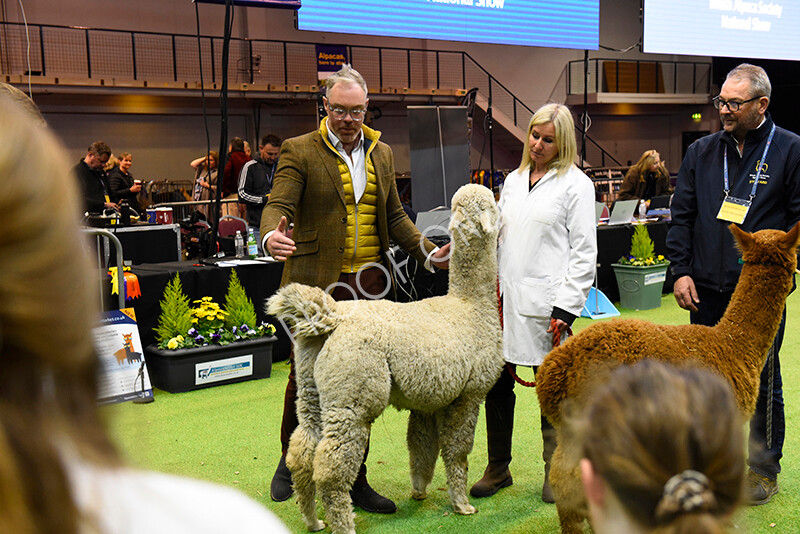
(308, 191)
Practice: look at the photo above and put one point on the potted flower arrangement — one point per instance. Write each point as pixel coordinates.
(205, 344)
(641, 274)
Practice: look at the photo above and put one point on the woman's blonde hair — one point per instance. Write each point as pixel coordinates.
(111, 163)
(649, 157)
(561, 117)
(47, 310)
(668, 442)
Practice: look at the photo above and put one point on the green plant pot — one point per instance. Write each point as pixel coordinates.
(640, 287)
(201, 367)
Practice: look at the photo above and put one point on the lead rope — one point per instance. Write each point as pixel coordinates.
(509, 367)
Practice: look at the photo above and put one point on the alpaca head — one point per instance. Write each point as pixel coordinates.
(771, 247)
(474, 215)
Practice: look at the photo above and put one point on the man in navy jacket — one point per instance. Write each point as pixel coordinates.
(748, 173)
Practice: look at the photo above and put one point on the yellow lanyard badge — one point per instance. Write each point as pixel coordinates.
(735, 209)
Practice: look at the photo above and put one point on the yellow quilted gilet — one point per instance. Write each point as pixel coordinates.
(362, 243)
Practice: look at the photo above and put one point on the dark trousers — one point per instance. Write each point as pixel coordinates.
(504, 388)
(768, 425)
(363, 285)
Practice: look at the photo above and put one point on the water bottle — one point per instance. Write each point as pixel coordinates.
(252, 247)
(239, 242)
(642, 209)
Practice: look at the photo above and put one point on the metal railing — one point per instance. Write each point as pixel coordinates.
(183, 210)
(637, 76)
(78, 53)
(102, 263)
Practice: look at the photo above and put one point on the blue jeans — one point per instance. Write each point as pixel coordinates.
(768, 425)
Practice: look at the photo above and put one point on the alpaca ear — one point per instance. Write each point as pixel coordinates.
(456, 218)
(486, 221)
(792, 238)
(743, 239)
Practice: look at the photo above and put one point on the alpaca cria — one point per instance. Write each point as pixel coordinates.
(736, 348)
(437, 357)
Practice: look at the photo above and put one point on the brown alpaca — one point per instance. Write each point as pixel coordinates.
(736, 348)
(126, 353)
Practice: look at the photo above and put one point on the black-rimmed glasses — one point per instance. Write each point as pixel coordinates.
(733, 105)
(355, 114)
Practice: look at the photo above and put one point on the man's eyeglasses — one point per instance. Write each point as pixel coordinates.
(340, 113)
(733, 105)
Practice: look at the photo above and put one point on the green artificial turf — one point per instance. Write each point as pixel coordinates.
(229, 434)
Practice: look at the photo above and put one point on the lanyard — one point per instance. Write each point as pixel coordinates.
(758, 171)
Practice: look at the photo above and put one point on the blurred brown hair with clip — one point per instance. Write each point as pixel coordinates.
(668, 443)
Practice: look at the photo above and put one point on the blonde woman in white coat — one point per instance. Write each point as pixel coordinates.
(547, 261)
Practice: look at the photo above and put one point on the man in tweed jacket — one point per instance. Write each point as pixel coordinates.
(337, 186)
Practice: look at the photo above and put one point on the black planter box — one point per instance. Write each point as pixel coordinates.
(213, 365)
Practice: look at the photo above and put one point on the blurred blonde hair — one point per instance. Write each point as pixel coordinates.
(48, 380)
(111, 163)
(561, 117)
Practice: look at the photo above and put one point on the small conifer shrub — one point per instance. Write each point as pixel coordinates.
(176, 313)
(642, 251)
(239, 307)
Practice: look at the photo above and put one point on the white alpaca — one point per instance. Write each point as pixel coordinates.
(437, 358)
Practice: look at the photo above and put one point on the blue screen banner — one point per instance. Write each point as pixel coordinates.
(564, 24)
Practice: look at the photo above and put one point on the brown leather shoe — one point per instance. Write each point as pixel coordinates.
(547, 493)
(491, 482)
(759, 489)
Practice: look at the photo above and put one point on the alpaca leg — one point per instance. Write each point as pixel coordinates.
(457, 433)
(336, 463)
(548, 448)
(300, 461)
(571, 522)
(305, 438)
(423, 449)
(565, 479)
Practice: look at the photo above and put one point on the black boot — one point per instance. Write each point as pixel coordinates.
(281, 487)
(367, 498)
(499, 430)
(548, 447)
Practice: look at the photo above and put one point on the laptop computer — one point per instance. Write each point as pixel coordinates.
(600, 212)
(659, 202)
(433, 223)
(622, 213)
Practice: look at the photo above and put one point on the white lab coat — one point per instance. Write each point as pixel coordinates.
(547, 257)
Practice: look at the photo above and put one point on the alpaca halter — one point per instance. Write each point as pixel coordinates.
(770, 264)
